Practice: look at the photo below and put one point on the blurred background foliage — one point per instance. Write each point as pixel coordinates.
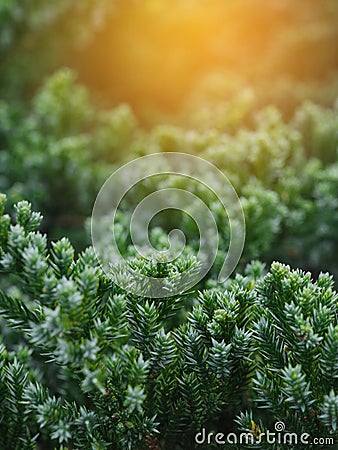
(249, 85)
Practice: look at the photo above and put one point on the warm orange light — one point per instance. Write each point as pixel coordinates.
(152, 52)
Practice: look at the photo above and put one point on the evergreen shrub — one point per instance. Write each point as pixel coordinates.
(87, 365)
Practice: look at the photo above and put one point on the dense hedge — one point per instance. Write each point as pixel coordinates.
(285, 173)
(84, 364)
(93, 367)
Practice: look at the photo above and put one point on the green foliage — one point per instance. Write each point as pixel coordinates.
(319, 130)
(84, 364)
(17, 429)
(285, 174)
(298, 326)
(68, 103)
(55, 150)
(129, 378)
